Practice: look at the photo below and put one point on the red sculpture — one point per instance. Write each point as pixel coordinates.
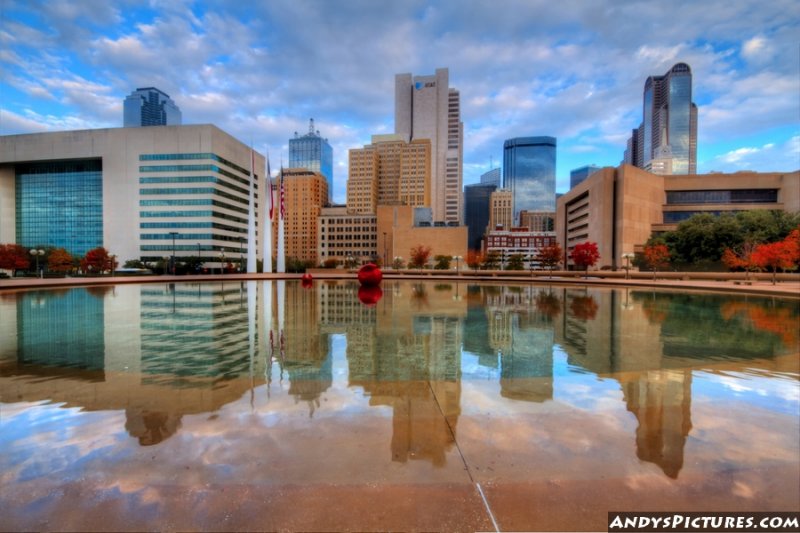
(305, 280)
(370, 275)
(369, 294)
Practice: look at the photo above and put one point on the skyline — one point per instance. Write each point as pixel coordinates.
(578, 70)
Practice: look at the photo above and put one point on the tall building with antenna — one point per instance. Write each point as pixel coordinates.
(148, 106)
(311, 151)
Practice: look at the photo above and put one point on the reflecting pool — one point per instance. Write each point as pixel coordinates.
(432, 406)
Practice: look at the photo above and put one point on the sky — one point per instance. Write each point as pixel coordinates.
(572, 69)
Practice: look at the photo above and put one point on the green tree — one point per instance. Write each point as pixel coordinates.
(516, 262)
(491, 260)
(442, 262)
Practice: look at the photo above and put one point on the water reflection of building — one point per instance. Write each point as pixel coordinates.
(593, 327)
(306, 356)
(413, 365)
(524, 340)
(185, 352)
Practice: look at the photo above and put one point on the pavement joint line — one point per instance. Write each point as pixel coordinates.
(464, 460)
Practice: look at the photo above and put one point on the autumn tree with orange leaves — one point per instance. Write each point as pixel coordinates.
(60, 260)
(419, 256)
(656, 256)
(98, 261)
(585, 255)
(13, 257)
(550, 256)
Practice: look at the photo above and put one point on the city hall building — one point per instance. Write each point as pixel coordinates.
(142, 193)
(620, 208)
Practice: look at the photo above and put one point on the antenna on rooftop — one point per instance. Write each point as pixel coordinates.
(311, 126)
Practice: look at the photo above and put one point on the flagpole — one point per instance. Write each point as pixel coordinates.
(281, 229)
(251, 219)
(268, 230)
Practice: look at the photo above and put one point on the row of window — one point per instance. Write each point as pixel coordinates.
(182, 157)
(735, 196)
(194, 179)
(193, 168)
(195, 190)
(175, 225)
(174, 214)
(192, 201)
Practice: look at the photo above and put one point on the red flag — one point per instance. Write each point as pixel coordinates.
(283, 207)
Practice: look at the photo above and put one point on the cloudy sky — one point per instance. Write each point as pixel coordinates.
(260, 69)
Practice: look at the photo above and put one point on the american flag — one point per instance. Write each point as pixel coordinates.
(283, 207)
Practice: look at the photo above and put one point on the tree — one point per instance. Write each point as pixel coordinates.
(656, 256)
(491, 260)
(474, 259)
(585, 255)
(13, 257)
(442, 262)
(550, 256)
(98, 261)
(516, 262)
(740, 259)
(60, 260)
(133, 263)
(773, 256)
(419, 256)
(398, 263)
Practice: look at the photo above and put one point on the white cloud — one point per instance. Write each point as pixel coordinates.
(769, 157)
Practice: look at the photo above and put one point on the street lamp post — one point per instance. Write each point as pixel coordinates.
(113, 262)
(174, 234)
(384, 251)
(36, 254)
(198, 258)
(458, 265)
(627, 256)
(241, 253)
(221, 262)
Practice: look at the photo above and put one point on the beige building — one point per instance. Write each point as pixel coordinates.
(401, 228)
(390, 171)
(142, 193)
(501, 209)
(426, 107)
(619, 208)
(537, 220)
(305, 195)
(342, 235)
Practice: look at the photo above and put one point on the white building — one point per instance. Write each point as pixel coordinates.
(135, 191)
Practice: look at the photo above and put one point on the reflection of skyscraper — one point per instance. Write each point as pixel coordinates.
(661, 401)
(529, 172)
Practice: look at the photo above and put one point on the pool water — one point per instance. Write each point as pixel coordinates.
(434, 406)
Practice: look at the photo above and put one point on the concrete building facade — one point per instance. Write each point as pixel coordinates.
(620, 208)
(518, 241)
(426, 107)
(150, 191)
(342, 235)
(400, 228)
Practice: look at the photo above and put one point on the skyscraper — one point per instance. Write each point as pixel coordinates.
(492, 177)
(666, 140)
(476, 212)
(427, 108)
(149, 106)
(579, 174)
(313, 152)
(529, 172)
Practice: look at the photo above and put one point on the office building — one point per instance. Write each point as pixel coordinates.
(501, 209)
(579, 174)
(305, 194)
(402, 227)
(520, 241)
(538, 220)
(619, 208)
(666, 140)
(142, 193)
(312, 152)
(345, 236)
(390, 171)
(426, 107)
(492, 177)
(149, 106)
(529, 172)
(477, 202)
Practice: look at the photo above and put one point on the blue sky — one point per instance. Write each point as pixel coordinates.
(259, 70)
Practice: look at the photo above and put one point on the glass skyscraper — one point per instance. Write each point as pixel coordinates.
(529, 172)
(312, 152)
(148, 106)
(476, 212)
(666, 140)
(60, 204)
